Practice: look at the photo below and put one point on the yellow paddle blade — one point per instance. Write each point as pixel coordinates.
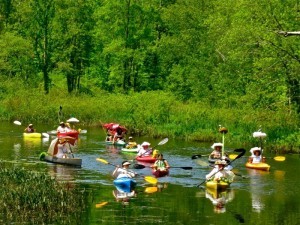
(150, 190)
(279, 158)
(151, 180)
(232, 156)
(102, 160)
(99, 205)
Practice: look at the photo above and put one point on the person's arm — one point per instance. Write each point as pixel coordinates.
(116, 171)
(166, 164)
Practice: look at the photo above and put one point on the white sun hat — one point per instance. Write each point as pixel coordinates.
(252, 150)
(145, 143)
(216, 144)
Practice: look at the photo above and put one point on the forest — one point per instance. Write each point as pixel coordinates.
(161, 67)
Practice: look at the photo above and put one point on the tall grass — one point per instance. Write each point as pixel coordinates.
(36, 198)
(157, 114)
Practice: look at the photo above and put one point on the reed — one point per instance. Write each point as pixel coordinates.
(32, 196)
(156, 113)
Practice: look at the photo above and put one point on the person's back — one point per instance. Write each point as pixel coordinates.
(29, 129)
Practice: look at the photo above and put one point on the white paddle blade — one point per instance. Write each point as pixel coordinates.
(164, 141)
(17, 122)
(45, 135)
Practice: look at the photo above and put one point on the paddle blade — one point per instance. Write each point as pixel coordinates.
(186, 167)
(196, 156)
(99, 205)
(45, 135)
(279, 158)
(139, 166)
(150, 190)
(151, 180)
(17, 122)
(164, 141)
(102, 160)
(232, 156)
(242, 152)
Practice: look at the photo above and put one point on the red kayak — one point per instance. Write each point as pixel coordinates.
(148, 159)
(160, 173)
(73, 134)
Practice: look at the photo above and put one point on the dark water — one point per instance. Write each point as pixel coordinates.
(255, 197)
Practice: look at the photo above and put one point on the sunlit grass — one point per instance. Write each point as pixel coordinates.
(36, 197)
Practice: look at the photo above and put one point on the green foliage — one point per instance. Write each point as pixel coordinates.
(36, 197)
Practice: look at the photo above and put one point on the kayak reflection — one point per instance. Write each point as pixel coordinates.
(219, 198)
(124, 197)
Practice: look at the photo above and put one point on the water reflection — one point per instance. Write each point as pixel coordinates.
(219, 198)
(256, 181)
(123, 197)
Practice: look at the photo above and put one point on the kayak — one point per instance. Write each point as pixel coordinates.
(217, 185)
(32, 135)
(148, 159)
(66, 161)
(160, 173)
(73, 134)
(258, 166)
(118, 143)
(125, 184)
(130, 150)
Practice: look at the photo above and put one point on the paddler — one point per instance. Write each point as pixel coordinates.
(160, 164)
(220, 173)
(124, 171)
(29, 129)
(145, 150)
(256, 156)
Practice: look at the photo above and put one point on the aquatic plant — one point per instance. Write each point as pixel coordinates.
(28, 196)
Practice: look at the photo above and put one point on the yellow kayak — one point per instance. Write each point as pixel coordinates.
(32, 135)
(217, 185)
(258, 166)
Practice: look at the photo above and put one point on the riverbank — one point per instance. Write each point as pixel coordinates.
(157, 114)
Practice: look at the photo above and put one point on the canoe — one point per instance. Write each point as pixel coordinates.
(130, 150)
(125, 184)
(160, 173)
(258, 166)
(118, 143)
(66, 161)
(217, 185)
(148, 159)
(32, 135)
(73, 134)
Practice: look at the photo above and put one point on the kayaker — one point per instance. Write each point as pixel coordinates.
(160, 164)
(219, 173)
(145, 150)
(256, 156)
(61, 128)
(63, 149)
(131, 143)
(119, 135)
(29, 129)
(217, 151)
(124, 171)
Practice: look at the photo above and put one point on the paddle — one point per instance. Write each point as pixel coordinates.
(276, 158)
(149, 179)
(140, 166)
(162, 142)
(150, 190)
(242, 152)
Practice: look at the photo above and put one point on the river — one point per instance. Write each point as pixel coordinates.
(255, 197)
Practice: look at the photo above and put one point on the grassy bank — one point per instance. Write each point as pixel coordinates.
(156, 114)
(35, 198)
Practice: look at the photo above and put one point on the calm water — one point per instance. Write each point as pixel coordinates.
(255, 197)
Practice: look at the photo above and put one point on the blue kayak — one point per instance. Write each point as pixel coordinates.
(125, 184)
